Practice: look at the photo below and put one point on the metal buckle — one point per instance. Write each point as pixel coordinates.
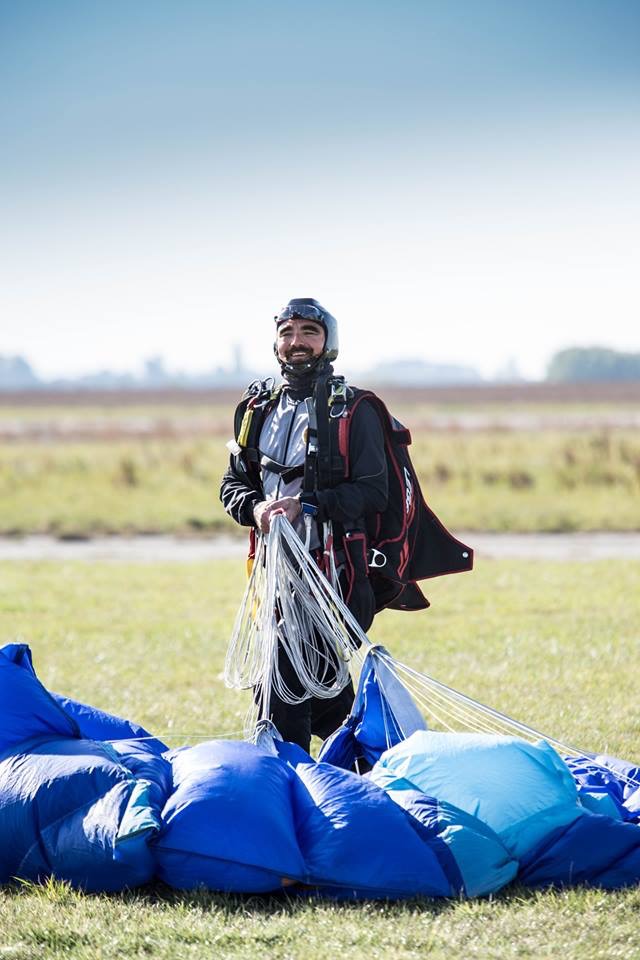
(338, 399)
(376, 558)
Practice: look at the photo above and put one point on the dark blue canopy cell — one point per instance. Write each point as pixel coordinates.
(94, 799)
(382, 715)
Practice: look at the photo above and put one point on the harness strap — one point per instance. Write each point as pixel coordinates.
(287, 473)
(310, 460)
(324, 458)
(248, 421)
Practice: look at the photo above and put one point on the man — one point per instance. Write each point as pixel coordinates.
(287, 463)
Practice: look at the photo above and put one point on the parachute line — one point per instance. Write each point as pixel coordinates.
(290, 608)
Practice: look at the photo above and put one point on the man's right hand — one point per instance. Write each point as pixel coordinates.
(265, 510)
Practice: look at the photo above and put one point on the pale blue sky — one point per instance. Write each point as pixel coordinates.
(457, 181)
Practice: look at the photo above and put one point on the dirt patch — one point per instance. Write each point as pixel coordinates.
(156, 549)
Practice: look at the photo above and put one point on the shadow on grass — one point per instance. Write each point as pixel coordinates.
(296, 900)
(290, 902)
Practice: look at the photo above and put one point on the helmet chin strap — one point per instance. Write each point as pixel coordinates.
(300, 375)
(296, 371)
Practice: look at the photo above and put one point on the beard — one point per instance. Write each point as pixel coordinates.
(298, 356)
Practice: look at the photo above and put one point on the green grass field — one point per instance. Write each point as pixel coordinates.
(554, 644)
(489, 480)
(527, 458)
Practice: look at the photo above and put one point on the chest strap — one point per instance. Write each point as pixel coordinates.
(288, 474)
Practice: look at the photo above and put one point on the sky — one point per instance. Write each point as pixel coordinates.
(455, 180)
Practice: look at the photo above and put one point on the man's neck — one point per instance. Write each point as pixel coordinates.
(300, 387)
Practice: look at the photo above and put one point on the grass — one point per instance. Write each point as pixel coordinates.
(548, 642)
(84, 466)
(551, 643)
(56, 922)
(488, 480)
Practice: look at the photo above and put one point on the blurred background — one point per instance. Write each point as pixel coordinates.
(456, 181)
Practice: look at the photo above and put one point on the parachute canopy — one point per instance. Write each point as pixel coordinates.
(93, 799)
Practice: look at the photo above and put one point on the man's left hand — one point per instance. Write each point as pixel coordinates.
(289, 506)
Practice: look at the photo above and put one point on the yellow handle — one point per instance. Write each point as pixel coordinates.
(243, 436)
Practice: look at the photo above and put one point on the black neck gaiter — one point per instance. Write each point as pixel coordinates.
(299, 385)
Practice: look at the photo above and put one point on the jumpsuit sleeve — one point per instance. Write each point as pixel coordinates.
(238, 495)
(367, 489)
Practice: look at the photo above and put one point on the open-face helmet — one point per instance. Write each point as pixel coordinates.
(306, 308)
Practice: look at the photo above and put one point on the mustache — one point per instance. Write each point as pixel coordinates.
(302, 353)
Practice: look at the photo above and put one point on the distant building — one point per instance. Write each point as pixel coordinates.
(509, 372)
(238, 360)
(155, 372)
(417, 373)
(16, 374)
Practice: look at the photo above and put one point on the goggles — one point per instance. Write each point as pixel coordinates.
(301, 311)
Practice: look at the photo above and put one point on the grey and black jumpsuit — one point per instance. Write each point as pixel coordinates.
(350, 506)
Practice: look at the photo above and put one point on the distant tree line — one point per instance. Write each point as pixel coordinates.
(593, 364)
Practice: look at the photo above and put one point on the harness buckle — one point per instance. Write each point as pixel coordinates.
(338, 396)
(376, 558)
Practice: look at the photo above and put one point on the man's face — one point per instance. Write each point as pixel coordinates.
(299, 341)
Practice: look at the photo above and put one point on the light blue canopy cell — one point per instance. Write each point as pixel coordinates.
(94, 799)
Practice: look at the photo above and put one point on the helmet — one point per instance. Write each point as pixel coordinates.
(306, 308)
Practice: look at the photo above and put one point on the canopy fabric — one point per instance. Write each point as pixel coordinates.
(93, 799)
(522, 791)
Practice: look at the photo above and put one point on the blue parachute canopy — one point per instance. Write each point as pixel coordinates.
(96, 800)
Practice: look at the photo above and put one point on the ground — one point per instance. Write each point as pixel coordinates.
(548, 642)
(552, 643)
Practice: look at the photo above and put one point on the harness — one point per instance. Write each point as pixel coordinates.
(324, 464)
(404, 544)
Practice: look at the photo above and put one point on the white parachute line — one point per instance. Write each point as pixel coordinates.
(381, 654)
(171, 734)
(501, 720)
(439, 712)
(319, 634)
(253, 715)
(465, 717)
(289, 608)
(444, 718)
(389, 718)
(385, 720)
(389, 728)
(472, 720)
(244, 662)
(434, 711)
(513, 726)
(329, 599)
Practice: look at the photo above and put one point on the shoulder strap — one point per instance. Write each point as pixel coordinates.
(323, 459)
(311, 456)
(251, 410)
(332, 401)
(341, 412)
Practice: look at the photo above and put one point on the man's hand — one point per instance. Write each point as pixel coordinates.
(265, 510)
